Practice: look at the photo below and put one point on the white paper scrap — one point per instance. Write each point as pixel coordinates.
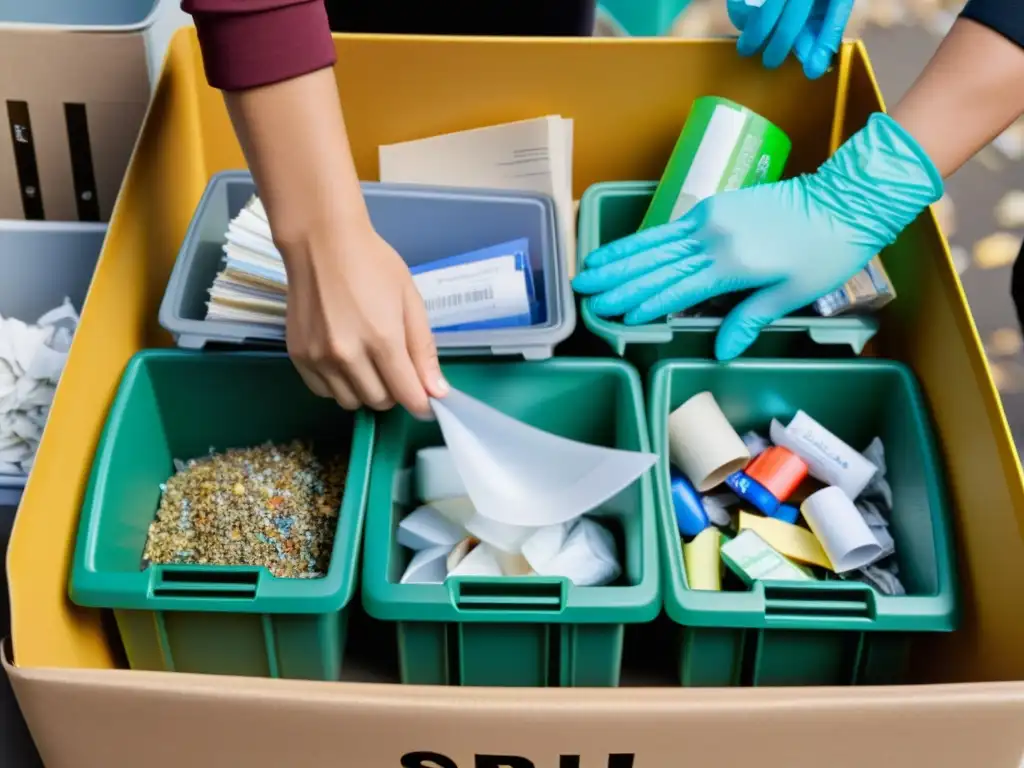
(717, 510)
(32, 358)
(436, 475)
(885, 580)
(587, 555)
(756, 443)
(840, 527)
(427, 567)
(459, 509)
(512, 565)
(521, 475)
(545, 543)
(878, 486)
(502, 536)
(459, 552)
(425, 528)
(829, 459)
(480, 561)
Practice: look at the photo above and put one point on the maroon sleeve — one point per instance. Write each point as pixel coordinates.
(248, 43)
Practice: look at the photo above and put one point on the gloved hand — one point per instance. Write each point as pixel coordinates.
(812, 29)
(792, 241)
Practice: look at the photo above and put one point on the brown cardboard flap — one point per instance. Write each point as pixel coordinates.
(106, 74)
(164, 719)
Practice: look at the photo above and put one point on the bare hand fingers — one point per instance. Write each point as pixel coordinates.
(420, 341)
(400, 377)
(362, 376)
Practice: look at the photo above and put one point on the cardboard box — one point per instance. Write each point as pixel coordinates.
(628, 99)
(72, 104)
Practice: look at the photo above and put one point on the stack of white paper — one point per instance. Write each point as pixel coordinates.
(252, 286)
(529, 155)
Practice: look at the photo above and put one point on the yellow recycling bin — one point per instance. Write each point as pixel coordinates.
(628, 99)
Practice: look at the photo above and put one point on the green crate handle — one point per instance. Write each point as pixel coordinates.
(204, 582)
(788, 601)
(504, 594)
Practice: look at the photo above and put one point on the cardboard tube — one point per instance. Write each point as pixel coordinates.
(703, 444)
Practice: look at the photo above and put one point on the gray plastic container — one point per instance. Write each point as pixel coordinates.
(81, 15)
(40, 264)
(421, 223)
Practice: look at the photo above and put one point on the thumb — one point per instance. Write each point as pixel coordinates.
(743, 325)
(420, 340)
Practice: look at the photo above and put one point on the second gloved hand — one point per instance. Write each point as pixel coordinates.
(791, 242)
(811, 29)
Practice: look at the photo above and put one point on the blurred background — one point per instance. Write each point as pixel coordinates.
(983, 211)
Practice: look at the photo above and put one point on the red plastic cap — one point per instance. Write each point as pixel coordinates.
(779, 470)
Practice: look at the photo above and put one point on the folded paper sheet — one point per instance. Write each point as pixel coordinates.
(522, 476)
(830, 459)
(703, 561)
(794, 542)
(425, 527)
(428, 566)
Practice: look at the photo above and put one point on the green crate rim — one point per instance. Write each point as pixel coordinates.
(133, 591)
(853, 330)
(388, 601)
(697, 608)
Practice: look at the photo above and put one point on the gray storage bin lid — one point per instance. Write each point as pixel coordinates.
(423, 224)
(80, 15)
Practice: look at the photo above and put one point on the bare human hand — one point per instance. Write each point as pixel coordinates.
(357, 329)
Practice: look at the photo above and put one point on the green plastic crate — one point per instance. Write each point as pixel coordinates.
(827, 632)
(521, 631)
(214, 619)
(612, 210)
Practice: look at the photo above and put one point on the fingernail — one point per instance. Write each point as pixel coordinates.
(441, 385)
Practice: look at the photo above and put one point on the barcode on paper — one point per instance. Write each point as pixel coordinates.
(453, 300)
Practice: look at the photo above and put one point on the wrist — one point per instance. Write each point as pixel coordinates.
(307, 225)
(884, 177)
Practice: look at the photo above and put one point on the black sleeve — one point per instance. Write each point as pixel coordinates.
(1003, 16)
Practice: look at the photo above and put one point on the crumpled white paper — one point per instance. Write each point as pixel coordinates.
(32, 358)
(526, 491)
(875, 504)
(520, 475)
(582, 551)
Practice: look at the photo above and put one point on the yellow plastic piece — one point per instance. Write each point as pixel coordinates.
(628, 100)
(703, 559)
(794, 542)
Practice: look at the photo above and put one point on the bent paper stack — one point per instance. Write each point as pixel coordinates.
(252, 286)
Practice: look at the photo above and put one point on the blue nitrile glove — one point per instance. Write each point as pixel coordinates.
(792, 241)
(812, 29)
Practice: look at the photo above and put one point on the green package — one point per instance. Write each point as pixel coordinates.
(723, 146)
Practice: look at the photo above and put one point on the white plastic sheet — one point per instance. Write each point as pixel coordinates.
(519, 475)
